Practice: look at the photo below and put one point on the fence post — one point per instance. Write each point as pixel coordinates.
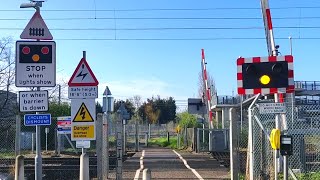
(99, 142)
(185, 141)
(146, 139)
(33, 142)
(198, 140)
(19, 168)
(18, 135)
(146, 174)
(84, 167)
(234, 163)
(105, 147)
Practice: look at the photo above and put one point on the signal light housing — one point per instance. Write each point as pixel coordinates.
(266, 75)
(35, 53)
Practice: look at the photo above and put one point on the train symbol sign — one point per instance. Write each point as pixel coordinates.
(83, 75)
(36, 29)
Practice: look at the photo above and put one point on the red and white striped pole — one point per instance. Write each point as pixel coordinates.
(208, 94)
(274, 52)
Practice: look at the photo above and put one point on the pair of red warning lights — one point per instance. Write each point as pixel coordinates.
(35, 57)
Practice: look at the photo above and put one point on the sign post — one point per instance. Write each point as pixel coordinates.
(35, 67)
(82, 91)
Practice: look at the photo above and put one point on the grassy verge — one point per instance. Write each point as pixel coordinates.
(162, 142)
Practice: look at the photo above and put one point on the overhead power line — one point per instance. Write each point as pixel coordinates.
(159, 18)
(180, 39)
(167, 9)
(170, 28)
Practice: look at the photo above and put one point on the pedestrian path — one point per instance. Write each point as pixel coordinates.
(166, 163)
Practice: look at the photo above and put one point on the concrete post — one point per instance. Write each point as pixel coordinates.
(99, 127)
(19, 168)
(84, 167)
(18, 135)
(234, 164)
(59, 143)
(136, 149)
(146, 174)
(149, 131)
(105, 148)
(198, 140)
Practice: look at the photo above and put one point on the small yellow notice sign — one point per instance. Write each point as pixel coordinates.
(83, 132)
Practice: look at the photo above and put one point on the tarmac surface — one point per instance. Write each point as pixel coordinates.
(165, 163)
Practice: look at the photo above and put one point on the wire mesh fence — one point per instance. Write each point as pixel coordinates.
(302, 122)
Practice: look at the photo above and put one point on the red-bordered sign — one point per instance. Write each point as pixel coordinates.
(83, 75)
(289, 89)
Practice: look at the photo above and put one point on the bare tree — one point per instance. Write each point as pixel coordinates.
(8, 99)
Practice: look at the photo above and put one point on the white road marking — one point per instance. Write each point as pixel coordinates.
(186, 164)
(136, 177)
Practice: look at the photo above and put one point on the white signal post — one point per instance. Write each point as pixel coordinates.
(37, 29)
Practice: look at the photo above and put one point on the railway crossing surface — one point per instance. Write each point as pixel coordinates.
(165, 163)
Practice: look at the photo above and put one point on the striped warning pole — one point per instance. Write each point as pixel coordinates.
(208, 94)
(272, 52)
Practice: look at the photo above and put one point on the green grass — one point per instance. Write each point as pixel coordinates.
(162, 142)
(6, 155)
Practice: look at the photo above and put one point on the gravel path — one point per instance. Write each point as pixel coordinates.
(164, 163)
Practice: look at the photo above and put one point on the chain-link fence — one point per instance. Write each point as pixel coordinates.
(302, 122)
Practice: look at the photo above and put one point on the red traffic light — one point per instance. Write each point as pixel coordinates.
(45, 50)
(26, 50)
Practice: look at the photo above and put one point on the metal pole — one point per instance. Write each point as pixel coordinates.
(290, 41)
(38, 158)
(84, 55)
(19, 168)
(18, 135)
(202, 132)
(285, 168)
(250, 139)
(241, 109)
(46, 142)
(274, 52)
(84, 167)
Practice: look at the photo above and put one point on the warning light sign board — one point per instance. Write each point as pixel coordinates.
(83, 115)
(35, 64)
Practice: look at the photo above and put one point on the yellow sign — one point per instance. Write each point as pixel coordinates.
(83, 131)
(83, 115)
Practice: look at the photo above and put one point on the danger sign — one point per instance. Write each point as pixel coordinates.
(83, 115)
(83, 132)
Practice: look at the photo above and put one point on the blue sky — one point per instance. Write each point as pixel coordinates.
(169, 67)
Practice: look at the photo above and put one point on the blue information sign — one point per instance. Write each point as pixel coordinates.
(37, 119)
